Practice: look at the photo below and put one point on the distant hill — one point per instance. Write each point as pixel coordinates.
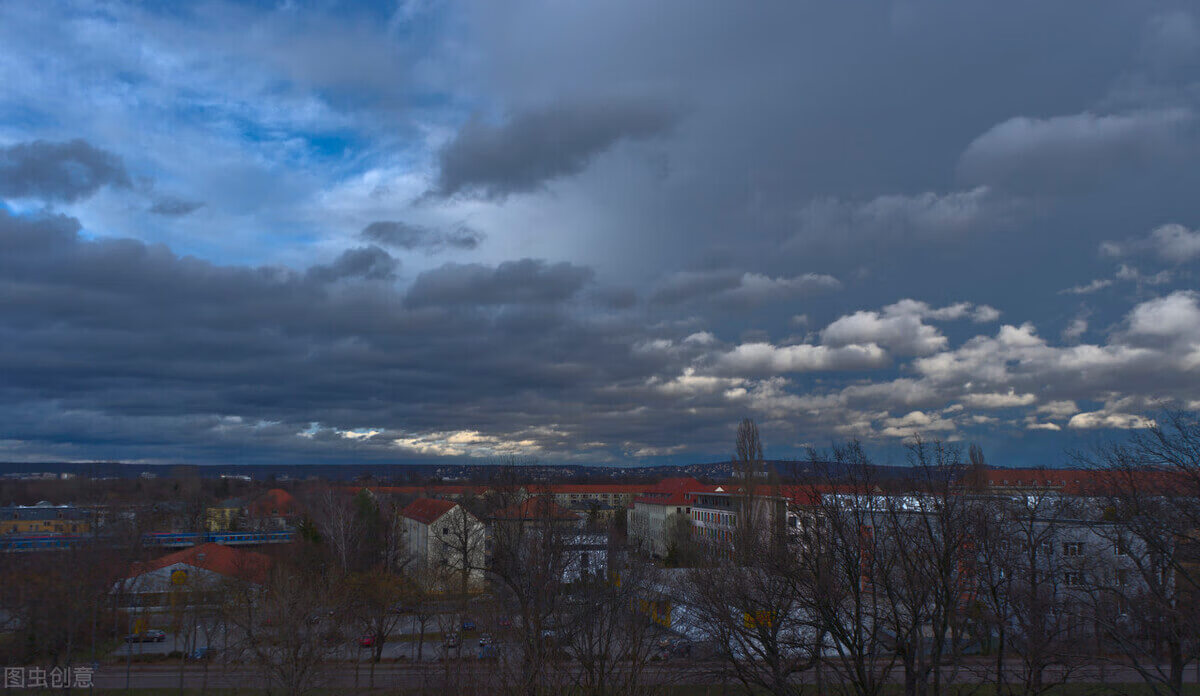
(414, 472)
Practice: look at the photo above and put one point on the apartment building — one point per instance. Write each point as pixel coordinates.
(447, 543)
(656, 512)
(43, 518)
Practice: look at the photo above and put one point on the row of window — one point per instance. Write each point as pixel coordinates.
(722, 518)
(713, 534)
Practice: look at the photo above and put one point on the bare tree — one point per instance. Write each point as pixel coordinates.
(374, 599)
(930, 554)
(1023, 586)
(751, 595)
(339, 524)
(529, 561)
(841, 553)
(610, 644)
(277, 628)
(1146, 605)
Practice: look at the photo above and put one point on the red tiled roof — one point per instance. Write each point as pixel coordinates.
(274, 502)
(665, 498)
(536, 508)
(671, 491)
(225, 560)
(427, 510)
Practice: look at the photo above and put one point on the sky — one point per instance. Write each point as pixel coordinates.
(594, 233)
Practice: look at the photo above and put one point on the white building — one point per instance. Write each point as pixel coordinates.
(189, 577)
(446, 543)
(657, 511)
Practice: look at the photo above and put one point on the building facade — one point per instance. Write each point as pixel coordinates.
(446, 543)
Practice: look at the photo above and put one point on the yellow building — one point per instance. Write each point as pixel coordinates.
(223, 516)
(43, 518)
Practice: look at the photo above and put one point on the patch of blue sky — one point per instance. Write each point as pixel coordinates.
(21, 117)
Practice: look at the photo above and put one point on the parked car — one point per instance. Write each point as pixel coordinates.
(201, 654)
(452, 640)
(468, 625)
(485, 639)
(151, 636)
(367, 640)
(505, 622)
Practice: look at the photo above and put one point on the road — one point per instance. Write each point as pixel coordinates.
(472, 672)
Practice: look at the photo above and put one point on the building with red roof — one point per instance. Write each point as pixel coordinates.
(446, 544)
(537, 508)
(654, 513)
(427, 510)
(190, 576)
(274, 509)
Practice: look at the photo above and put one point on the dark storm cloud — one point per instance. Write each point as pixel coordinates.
(689, 285)
(849, 178)
(65, 171)
(370, 263)
(169, 206)
(536, 147)
(114, 345)
(1069, 152)
(403, 235)
(512, 282)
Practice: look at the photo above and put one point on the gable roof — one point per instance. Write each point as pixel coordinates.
(274, 502)
(427, 510)
(671, 491)
(224, 560)
(537, 508)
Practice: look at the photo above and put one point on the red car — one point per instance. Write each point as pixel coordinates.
(367, 640)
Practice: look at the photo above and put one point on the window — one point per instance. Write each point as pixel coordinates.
(445, 531)
(1122, 577)
(1073, 579)
(1072, 549)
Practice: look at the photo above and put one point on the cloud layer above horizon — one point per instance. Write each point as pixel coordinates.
(425, 230)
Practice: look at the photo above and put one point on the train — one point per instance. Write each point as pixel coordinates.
(36, 542)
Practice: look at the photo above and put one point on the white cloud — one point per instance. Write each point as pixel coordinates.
(1176, 243)
(1058, 409)
(1171, 242)
(900, 326)
(1132, 274)
(915, 423)
(1075, 329)
(1008, 399)
(1103, 419)
(1175, 317)
(765, 358)
(1088, 288)
(985, 314)
(468, 443)
(1043, 426)
(690, 384)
